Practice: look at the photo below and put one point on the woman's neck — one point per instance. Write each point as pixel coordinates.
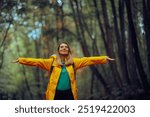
(67, 59)
(63, 58)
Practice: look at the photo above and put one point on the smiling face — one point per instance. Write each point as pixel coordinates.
(63, 49)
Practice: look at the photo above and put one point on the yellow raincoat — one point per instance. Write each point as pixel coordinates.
(54, 77)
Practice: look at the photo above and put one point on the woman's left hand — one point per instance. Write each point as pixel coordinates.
(110, 59)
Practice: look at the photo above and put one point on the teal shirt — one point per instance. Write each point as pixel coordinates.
(64, 80)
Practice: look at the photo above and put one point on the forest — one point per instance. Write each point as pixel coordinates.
(116, 28)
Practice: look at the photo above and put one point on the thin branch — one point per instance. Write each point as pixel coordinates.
(4, 39)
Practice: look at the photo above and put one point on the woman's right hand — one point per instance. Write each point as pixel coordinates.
(15, 61)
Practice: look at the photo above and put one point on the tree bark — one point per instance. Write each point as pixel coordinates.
(146, 19)
(59, 22)
(3, 45)
(109, 43)
(121, 46)
(135, 47)
(81, 39)
(130, 66)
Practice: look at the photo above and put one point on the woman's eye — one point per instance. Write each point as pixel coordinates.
(63, 47)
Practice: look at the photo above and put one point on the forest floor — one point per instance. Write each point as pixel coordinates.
(130, 95)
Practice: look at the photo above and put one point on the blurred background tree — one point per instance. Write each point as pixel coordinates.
(117, 28)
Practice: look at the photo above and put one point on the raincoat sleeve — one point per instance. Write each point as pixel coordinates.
(42, 63)
(86, 61)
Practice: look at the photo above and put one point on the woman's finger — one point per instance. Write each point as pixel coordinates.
(110, 59)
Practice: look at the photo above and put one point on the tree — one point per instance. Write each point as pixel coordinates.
(135, 47)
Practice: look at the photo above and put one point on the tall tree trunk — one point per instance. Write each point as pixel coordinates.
(3, 45)
(121, 47)
(117, 83)
(99, 21)
(81, 39)
(109, 43)
(92, 84)
(135, 47)
(25, 81)
(37, 70)
(131, 66)
(59, 21)
(146, 20)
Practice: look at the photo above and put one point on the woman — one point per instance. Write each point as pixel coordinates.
(62, 83)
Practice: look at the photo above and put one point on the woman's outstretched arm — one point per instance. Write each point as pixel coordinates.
(42, 63)
(86, 61)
